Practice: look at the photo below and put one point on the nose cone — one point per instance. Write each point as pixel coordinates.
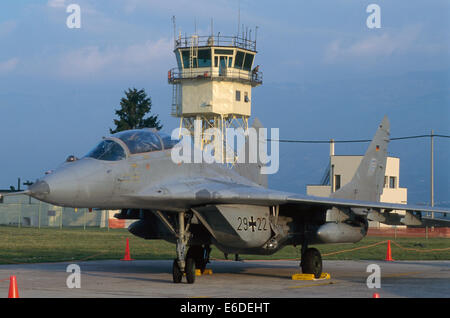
(39, 189)
(70, 184)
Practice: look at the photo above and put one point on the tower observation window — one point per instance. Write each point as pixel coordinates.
(177, 55)
(223, 52)
(248, 61)
(185, 54)
(204, 58)
(239, 59)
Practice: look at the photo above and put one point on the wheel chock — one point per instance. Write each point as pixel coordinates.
(323, 276)
(207, 271)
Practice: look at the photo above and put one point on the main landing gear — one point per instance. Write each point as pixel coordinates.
(311, 262)
(196, 257)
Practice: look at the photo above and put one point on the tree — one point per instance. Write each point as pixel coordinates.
(134, 107)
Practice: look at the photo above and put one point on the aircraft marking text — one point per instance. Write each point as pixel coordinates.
(245, 224)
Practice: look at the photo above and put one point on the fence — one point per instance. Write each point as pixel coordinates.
(22, 211)
(426, 232)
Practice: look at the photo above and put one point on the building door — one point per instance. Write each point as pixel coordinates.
(223, 65)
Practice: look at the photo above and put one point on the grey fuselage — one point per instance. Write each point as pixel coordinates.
(151, 188)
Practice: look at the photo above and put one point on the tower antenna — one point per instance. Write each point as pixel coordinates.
(239, 16)
(212, 27)
(174, 31)
(195, 26)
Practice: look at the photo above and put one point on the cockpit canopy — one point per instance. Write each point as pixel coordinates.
(136, 141)
(108, 150)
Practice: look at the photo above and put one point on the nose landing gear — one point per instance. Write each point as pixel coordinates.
(196, 257)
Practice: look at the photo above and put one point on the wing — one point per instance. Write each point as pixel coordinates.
(379, 211)
(206, 191)
(184, 194)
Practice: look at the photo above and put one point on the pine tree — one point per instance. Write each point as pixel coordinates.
(134, 107)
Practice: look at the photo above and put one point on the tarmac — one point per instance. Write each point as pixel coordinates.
(236, 279)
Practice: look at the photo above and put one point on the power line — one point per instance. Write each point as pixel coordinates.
(354, 140)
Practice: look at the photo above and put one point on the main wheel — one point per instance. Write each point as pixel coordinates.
(312, 262)
(190, 270)
(200, 255)
(176, 271)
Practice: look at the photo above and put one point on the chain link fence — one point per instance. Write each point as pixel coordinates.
(24, 211)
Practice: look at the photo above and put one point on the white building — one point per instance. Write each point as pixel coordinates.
(342, 169)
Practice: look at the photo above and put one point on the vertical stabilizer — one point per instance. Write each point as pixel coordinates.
(368, 181)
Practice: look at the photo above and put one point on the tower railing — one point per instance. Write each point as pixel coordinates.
(217, 40)
(255, 76)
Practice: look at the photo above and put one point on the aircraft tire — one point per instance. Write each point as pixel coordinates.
(197, 252)
(190, 270)
(312, 262)
(177, 274)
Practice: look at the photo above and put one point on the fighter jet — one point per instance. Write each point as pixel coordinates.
(197, 205)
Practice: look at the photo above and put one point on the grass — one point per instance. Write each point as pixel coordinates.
(32, 245)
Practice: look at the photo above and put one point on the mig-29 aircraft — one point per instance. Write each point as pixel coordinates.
(196, 205)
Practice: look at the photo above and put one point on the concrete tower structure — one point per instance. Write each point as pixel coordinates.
(212, 85)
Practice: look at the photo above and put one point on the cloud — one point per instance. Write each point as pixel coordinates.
(56, 3)
(8, 65)
(383, 45)
(136, 59)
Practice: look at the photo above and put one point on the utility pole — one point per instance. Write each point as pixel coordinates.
(432, 173)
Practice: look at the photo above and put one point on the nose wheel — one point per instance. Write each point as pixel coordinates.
(189, 271)
(197, 257)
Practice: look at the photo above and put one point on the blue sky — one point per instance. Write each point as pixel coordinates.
(326, 75)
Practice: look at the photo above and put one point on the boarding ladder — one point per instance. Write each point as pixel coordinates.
(193, 52)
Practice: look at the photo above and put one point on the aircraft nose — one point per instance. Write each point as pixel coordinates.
(39, 188)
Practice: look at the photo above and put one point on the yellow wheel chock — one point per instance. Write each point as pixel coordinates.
(207, 271)
(323, 276)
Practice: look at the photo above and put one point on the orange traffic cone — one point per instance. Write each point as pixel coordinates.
(127, 253)
(13, 290)
(388, 252)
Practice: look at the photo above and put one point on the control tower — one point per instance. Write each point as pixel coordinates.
(212, 85)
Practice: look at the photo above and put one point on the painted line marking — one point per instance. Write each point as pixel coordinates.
(312, 285)
(400, 274)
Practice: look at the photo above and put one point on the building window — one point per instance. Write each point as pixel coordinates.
(239, 60)
(246, 97)
(337, 182)
(204, 58)
(248, 61)
(385, 181)
(238, 96)
(392, 182)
